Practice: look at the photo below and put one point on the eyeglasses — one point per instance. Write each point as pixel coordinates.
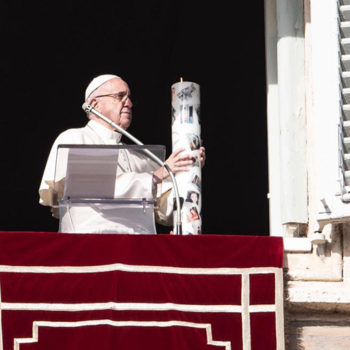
(118, 95)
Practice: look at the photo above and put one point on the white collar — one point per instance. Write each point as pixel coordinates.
(104, 132)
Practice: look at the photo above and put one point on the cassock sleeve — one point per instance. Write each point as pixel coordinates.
(165, 203)
(46, 189)
(163, 193)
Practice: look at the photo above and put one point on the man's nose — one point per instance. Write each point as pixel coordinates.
(128, 102)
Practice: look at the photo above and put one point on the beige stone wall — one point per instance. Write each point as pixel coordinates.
(319, 331)
(317, 294)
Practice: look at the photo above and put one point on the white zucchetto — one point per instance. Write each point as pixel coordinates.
(97, 82)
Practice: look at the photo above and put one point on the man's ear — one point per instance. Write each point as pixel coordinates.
(93, 102)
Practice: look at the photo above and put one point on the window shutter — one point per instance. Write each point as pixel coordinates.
(344, 125)
(333, 111)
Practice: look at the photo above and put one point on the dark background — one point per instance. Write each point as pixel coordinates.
(51, 50)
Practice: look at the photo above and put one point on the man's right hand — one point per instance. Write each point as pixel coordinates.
(177, 162)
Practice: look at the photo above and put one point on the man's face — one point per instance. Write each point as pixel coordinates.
(117, 105)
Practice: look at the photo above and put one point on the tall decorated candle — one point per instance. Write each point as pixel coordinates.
(186, 130)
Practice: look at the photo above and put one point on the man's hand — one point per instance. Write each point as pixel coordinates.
(177, 162)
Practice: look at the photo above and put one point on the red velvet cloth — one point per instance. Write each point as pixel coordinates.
(89, 291)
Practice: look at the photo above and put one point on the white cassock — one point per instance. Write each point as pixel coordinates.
(135, 182)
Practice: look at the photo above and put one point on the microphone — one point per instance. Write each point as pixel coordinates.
(89, 109)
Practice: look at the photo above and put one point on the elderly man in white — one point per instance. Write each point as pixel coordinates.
(110, 95)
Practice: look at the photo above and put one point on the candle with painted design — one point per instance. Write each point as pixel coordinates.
(186, 130)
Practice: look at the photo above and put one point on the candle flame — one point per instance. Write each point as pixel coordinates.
(181, 80)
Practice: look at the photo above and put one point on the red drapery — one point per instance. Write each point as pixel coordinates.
(87, 291)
